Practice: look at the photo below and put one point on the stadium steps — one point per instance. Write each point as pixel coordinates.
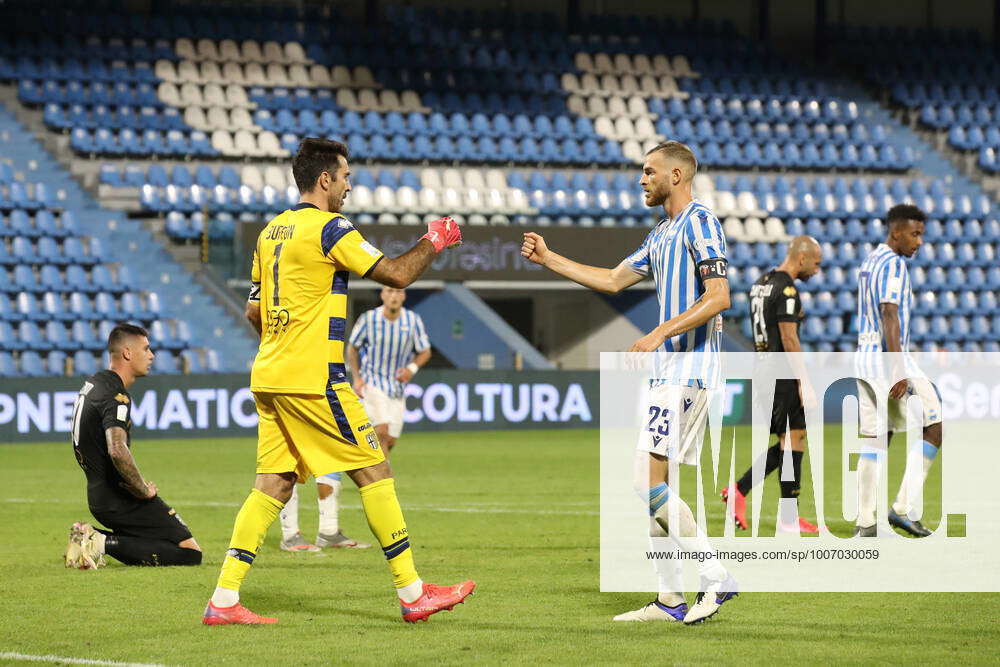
(457, 315)
(132, 245)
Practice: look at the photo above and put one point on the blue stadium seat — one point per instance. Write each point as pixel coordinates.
(54, 308)
(7, 366)
(9, 340)
(32, 365)
(83, 338)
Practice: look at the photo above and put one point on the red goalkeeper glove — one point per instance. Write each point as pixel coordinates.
(443, 233)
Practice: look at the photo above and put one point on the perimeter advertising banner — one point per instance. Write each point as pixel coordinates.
(40, 409)
(493, 253)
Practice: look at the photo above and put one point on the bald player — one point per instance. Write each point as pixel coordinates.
(775, 315)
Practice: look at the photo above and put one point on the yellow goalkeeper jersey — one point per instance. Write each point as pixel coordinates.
(300, 271)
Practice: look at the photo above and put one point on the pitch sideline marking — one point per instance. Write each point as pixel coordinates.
(415, 508)
(25, 657)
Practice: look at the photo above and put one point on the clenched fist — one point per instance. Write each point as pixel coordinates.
(534, 248)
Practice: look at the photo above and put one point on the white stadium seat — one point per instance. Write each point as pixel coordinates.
(569, 82)
(753, 228)
(624, 129)
(195, 117)
(411, 103)
(363, 78)
(662, 66)
(232, 73)
(774, 228)
(623, 64)
(229, 51)
(277, 75)
(275, 177)
(725, 204)
(603, 64)
(320, 76)
(188, 71)
(251, 176)
(430, 178)
(637, 108)
(167, 93)
(295, 54)
(590, 84)
(495, 178)
(583, 62)
(236, 96)
(732, 227)
(268, 144)
(245, 144)
(703, 183)
(240, 119)
(207, 50)
(184, 48)
(217, 118)
(452, 178)
(191, 95)
(360, 198)
(641, 64)
(299, 77)
(368, 100)
(254, 74)
(340, 77)
(251, 52)
(165, 70)
(222, 141)
(429, 200)
(213, 95)
(406, 199)
(274, 54)
(682, 68)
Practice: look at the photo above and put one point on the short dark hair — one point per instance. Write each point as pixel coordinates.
(122, 331)
(903, 212)
(315, 156)
(677, 151)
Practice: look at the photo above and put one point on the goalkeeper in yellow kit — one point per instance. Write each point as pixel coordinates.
(311, 421)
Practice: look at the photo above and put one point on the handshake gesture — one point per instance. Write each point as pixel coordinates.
(443, 233)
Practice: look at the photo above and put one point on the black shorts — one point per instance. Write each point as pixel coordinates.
(787, 412)
(151, 518)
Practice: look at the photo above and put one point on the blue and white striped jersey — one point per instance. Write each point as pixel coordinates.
(882, 278)
(385, 346)
(671, 255)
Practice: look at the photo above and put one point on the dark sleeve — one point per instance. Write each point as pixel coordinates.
(787, 304)
(115, 410)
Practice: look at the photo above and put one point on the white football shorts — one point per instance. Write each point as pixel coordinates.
(382, 409)
(674, 423)
(872, 424)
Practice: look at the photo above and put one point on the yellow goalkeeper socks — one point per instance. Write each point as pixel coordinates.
(257, 514)
(385, 519)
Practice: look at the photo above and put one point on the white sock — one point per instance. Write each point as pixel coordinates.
(688, 536)
(411, 592)
(668, 571)
(225, 597)
(99, 540)
(911, 490)
(290, 516)
(867, 489)
(329, 509)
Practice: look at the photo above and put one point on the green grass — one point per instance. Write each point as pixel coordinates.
(475, 505)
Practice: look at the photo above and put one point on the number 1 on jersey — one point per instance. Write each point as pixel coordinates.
(277, 255)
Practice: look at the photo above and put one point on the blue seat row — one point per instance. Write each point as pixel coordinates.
(808, 156)
(90, 93)
(157, 175)
(195, 198)
(66, 279)
(413, 125)
(180, 227)
(44, 223)
(945, 115)
(974, 138)
(15, 196)
(757, 108)
(128, 142)
(73, 69)
(46, 250)
(67, 117)
(69, 46)
(857, 134)
(85, 362)
(78, 306)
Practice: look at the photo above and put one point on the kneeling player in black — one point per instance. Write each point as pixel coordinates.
(142, 529)
(775, 314)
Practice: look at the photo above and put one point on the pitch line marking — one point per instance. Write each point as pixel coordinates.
(498, 509)
(25, 657)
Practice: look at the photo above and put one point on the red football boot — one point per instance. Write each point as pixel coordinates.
(806, 527)
(235, 615)
(739, 506)
(435, 599)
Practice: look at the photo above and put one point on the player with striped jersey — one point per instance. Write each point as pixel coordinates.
(685, 255)
(387, 347)
(884, 302)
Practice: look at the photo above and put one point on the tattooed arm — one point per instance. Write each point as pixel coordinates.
(121, 456)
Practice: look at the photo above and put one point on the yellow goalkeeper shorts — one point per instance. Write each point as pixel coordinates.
(314, 434)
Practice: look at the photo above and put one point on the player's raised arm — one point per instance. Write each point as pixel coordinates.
(607, 281)
(400, 272)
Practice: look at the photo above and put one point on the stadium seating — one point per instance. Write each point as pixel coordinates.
(527, 124)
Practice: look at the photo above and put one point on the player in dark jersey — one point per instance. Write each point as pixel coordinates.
(775, 315)
(141, 528)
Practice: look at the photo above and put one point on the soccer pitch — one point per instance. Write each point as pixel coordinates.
(517, 511)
